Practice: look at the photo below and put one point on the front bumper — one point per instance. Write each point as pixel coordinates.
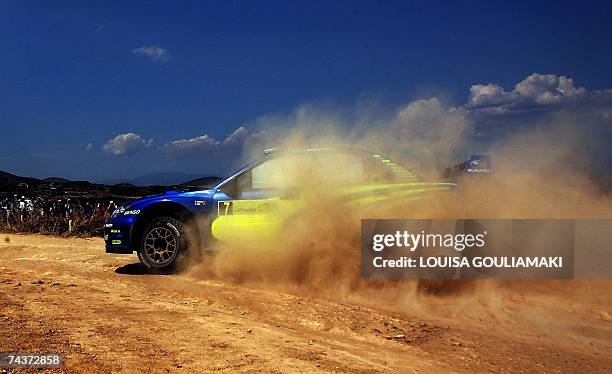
(117, 239)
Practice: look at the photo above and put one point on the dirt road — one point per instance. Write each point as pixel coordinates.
(106, 315)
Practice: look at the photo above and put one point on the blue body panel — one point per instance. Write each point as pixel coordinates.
(119, 230)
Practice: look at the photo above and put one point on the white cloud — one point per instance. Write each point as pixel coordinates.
(537, 91)
(206, 145)
(126, 144)
(199, 144)
(153, 52)
(88, 147)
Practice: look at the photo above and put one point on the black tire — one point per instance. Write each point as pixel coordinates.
(164, 242)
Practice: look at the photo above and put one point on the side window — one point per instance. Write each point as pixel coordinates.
(275, 173)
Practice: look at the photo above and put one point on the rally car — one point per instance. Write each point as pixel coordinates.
(254, 202)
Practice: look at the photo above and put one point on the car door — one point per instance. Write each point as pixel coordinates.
(252, 206)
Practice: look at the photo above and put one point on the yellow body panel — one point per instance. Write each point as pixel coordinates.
(243, 221)
(261, 220)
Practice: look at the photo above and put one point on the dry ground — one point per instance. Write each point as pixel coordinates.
(106, 315)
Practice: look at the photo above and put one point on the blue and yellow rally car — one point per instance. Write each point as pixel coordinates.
(254, 202)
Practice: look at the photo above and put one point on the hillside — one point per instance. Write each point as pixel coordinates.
(155, 179)
(61, 187)
(55, 180)
(15, 179)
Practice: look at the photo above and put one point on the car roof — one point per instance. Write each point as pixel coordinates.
(279, 152)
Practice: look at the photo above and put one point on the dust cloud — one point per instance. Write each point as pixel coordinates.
(539, 171)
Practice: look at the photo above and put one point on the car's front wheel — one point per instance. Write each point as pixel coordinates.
(164, 241)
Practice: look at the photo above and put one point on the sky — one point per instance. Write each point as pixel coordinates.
(110, 89)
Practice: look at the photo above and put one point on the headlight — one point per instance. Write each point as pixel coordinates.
(120, 210)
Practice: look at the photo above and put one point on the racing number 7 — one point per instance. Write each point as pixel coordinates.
(227, 205)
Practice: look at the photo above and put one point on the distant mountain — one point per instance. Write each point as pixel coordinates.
(55, 187)
(56, 180)
(8, 178)
(155, 179)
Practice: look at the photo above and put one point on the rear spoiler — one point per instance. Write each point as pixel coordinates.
(474, 165)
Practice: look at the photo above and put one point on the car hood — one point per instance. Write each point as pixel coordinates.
(174, 195)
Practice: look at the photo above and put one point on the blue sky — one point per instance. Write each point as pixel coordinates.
(76, 75)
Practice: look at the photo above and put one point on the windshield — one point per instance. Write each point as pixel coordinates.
(238, 171)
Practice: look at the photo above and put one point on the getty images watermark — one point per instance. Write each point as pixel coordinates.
(464, 249)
